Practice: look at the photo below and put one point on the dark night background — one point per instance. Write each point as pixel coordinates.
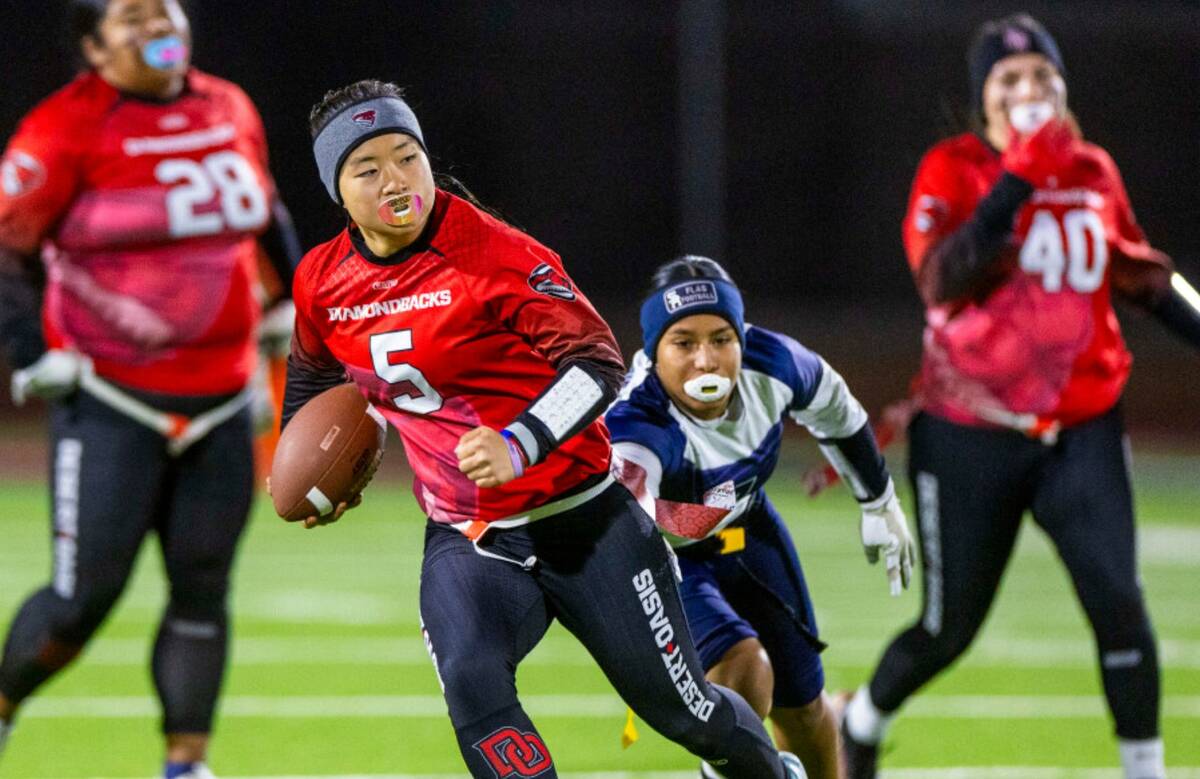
(565, 116)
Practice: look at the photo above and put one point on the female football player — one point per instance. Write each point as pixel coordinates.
(696, 435)
(469, 337)
(144, 185)
(1017, 235)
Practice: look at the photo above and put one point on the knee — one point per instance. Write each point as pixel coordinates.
(806, 718)
(75, 618)
(943, 646)
(475, 687)
(746, 669)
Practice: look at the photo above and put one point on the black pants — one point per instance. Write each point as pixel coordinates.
(112, 482)
(603, 570)
(972, 487)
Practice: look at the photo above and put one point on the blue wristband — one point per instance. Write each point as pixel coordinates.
(515, 453)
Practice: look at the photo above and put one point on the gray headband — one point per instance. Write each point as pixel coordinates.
(356, 124)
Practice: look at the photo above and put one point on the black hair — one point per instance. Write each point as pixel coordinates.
(83, 21)
(335, 100)
(688, 266)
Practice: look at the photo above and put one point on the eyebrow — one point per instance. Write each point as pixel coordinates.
(686, 331)
(371, 157)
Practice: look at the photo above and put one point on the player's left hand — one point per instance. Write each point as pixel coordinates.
(483, 456)
(885, 530)
(54, 375)
(275, 329)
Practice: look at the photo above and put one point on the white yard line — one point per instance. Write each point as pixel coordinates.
(592, 706)
(980, 772)
(993, 651)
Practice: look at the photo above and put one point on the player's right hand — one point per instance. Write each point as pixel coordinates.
(316, 521)
(54, 375)
(1040, 155)
(885, 530)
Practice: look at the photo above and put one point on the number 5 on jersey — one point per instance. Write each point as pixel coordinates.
(411, 391)
(1084, 256)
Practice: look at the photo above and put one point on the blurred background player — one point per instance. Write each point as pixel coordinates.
(1018, 234)
(143, 185)
(468, 336)
(696, 434)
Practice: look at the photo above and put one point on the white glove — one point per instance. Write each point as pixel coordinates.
(885, 530)
(275, 329)
(55, 375)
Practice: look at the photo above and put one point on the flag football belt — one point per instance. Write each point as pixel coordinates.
(1042, 428)
(727, 540)
(476, 529)
(180, 431)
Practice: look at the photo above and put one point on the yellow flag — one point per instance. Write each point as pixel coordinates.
(629, 733)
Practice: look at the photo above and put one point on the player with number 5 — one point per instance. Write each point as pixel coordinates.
(468, 336)
(1018, 235)
(143, 186)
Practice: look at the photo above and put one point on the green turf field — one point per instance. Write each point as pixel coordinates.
(329, 676)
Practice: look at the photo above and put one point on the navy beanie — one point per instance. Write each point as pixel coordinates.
(1001, 38)
(680, 299)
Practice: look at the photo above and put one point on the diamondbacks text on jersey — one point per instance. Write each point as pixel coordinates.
(464, 330)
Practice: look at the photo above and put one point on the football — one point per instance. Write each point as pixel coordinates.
(327, 454)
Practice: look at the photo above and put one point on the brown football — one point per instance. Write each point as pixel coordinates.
(327, 453)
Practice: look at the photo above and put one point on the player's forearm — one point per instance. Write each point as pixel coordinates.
(304, 382)
(282, 246)
(858, 461)
(1179, 309)
(962, 262)
(21, 285)
(579, 394)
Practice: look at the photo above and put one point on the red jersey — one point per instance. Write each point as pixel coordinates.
(146, 215)
(455, 336)
(1044, 342)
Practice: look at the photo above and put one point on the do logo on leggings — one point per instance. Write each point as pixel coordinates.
(513, 753)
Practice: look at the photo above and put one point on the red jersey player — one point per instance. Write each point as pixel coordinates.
(143, 186)
(1018, 236)
(471, 339)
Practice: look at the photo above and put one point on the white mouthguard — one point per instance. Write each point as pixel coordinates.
(707, 388)
(1028, 117)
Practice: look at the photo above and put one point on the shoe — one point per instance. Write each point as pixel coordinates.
(859, 759)
(792, 766)
(708, 772)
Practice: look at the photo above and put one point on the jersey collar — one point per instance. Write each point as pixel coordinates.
(424, 242)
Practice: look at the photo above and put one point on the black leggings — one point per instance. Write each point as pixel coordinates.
(602, 570)
(112, 482)
(972, 487)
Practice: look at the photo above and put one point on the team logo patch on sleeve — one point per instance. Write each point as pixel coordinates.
(545, 280)
(21, 173)
(692, 293)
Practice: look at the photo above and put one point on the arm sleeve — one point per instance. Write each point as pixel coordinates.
(311, 367)
(22, 281)
(281, 245)
(1146, 276)
(39, 175)
(533, 296)
(952, 250)
(839, 423)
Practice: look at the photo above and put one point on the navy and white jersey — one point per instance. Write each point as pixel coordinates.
(718, 467)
